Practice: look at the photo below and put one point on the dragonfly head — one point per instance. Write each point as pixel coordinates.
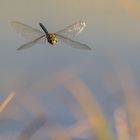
(52, 38)
(53, 42)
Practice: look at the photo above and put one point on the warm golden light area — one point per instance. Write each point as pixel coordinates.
(131, 6)
(5, 103)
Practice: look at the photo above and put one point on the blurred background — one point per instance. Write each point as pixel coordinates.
(62, 93)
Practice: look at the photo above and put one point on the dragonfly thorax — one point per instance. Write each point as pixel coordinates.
(52, 38)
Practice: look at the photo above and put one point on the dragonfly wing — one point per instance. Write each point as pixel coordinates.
(72, 30)
(73, 43)
(31, 43)
(26, 31)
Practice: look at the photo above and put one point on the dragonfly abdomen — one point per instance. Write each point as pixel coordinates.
(43, 28)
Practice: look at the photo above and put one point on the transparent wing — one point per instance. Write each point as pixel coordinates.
(73, 43)
(31, 43)
(26, 31)
(72, 30)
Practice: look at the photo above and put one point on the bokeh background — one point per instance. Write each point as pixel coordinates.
(65, 93)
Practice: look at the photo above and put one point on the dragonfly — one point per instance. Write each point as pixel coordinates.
(36, 36)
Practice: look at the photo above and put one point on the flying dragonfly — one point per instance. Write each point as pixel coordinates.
(65, 35)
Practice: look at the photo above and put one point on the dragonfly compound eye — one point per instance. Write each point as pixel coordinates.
(54, 41)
